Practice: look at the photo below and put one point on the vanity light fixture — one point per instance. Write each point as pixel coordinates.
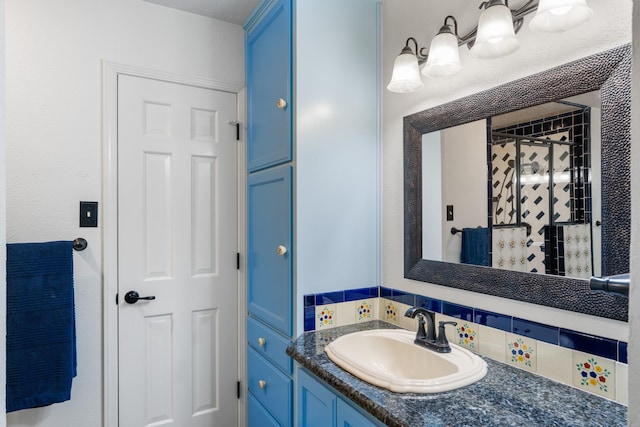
(494, 36)
(444, 56)
(406, 74)
(554, 16)
(496, 33)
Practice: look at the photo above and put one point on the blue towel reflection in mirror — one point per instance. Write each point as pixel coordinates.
(475, 246)
(41, 334)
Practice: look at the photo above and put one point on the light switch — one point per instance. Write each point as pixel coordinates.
(88, 214)
(449, 212)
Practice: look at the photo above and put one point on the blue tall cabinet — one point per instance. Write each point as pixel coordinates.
(313, 158)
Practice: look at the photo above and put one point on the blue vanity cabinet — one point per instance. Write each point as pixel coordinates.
(321, 406)
(313, 179)
(269, 296)
(268, 56)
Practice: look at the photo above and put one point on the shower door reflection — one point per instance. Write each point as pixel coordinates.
(541, 196)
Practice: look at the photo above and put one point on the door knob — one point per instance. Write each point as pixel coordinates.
(262, 384)
(132, 297)
(282, 250)
(281, 103)
(261, 342)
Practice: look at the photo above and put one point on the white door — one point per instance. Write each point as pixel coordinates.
(177, 242)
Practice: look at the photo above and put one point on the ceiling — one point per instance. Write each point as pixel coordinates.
(233, 11)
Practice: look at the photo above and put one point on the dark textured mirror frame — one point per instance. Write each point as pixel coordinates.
(609, 71)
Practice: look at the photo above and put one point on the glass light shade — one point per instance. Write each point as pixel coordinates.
(554, 16)
(406, 74)
(444, 57)
(496, 35)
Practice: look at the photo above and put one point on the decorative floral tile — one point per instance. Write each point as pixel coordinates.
(467, 335)
(364, 310)
(521, 352)
(326, 316)
(388, 311)
(594, 374)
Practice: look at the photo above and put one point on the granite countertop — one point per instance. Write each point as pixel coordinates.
(506, 396)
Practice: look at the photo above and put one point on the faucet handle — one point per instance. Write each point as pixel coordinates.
(422, 333)
(442, 336)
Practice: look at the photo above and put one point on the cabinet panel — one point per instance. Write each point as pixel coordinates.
(269, 273)
(268, 80)
(316, 403)
(271, 387)
(257, 415)
(269, 344)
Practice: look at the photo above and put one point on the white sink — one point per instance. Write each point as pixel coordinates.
(389, 359)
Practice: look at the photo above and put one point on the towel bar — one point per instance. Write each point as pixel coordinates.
(80, 244)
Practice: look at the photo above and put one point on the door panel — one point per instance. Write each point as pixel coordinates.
(177, 241)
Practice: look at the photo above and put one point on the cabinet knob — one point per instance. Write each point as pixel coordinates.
(261, 342)
(281, 103)
(262, 384)
(282, 250)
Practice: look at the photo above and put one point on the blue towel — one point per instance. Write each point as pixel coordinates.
(475, 246)
(41, 335)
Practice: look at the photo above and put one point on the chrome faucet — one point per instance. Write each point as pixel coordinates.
(427, 337)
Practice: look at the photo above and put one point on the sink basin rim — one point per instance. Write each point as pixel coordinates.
(471, 368)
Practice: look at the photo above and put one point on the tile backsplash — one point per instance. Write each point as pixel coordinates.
(591, 363)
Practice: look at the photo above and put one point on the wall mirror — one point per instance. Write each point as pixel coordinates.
(494, 181)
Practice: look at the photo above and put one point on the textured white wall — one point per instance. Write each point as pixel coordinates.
(609, 27)
(54, 149)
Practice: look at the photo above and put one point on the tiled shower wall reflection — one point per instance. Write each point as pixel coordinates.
(591, 363)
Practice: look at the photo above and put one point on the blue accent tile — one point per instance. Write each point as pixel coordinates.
(430, 304)
(591, 344)
(622, 352)
(458, 311)
(375, 291)
(330, 298)
(536, 330)
(403, 297)
(309, 300)
(492, 320)
(359, 294)
(309, 319)
(385, 292)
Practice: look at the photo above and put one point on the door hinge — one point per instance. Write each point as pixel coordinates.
(116, 299)
(238, 261)
(239, 389)
(237, 125)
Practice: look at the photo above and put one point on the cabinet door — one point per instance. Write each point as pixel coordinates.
(268, 81)
(348, 416)
(257, 415)
(269, 252)
(272, 388)
(316, 403)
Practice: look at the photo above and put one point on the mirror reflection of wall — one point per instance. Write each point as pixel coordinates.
(541, 197)
(460, 154)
